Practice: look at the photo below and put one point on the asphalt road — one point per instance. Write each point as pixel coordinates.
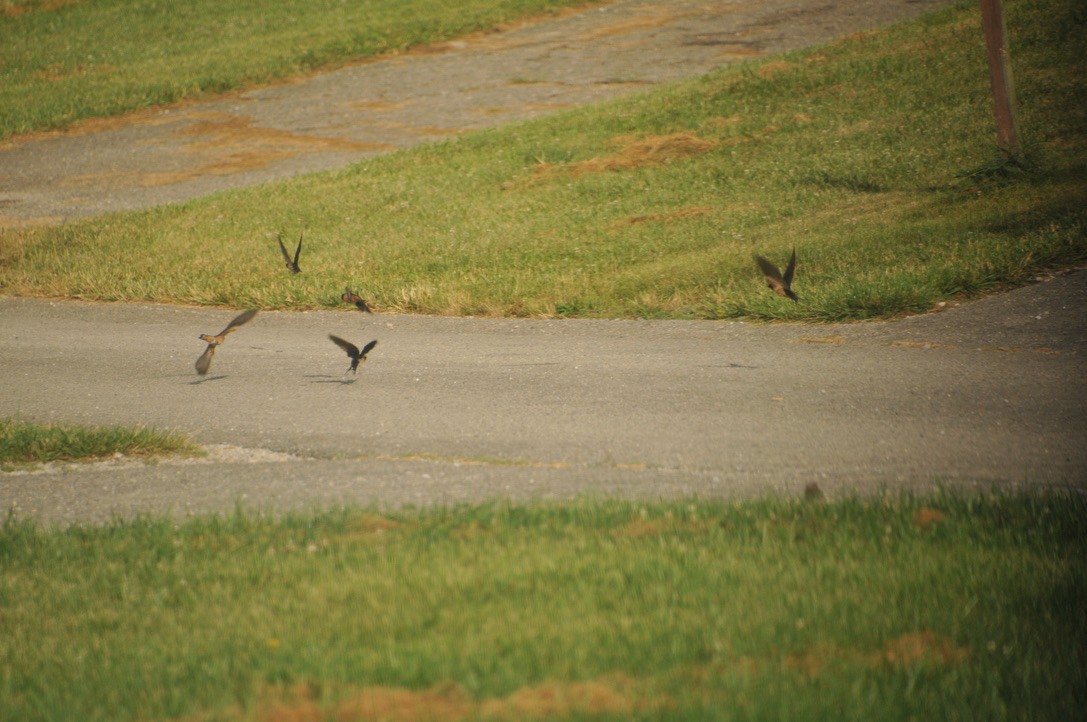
(455, 410)
(450, 410)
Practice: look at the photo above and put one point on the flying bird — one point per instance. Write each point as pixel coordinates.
(350, 296)
(781, 285)
(292, 264)
(353, 351)
(204, 362)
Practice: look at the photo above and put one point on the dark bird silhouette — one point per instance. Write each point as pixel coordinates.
(292, 265)
(204, 362)
(781, 285)
(353, 351)
(350, 296)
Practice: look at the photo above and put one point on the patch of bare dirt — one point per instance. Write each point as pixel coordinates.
(614, 694)
(219, 130)
(396, 704)
(633, 153)
(926, 518)
(247, 147)
(17, 9)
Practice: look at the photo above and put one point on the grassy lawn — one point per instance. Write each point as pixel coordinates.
(22, 442)
(874, 156)
(65, 60)
(942, 607)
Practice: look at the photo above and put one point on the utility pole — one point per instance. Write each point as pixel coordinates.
(1000, 77)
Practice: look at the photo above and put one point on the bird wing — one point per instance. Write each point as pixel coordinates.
(298, 251)
(768, 269)
(204, 362)
(789, 270)
(351, 349)
(283, 249)
(368, 348)
(239, 320)
(362, 305)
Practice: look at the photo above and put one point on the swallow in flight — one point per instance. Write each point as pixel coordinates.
(204, 362)
(781, 285)
(353, 351)
(292, 265)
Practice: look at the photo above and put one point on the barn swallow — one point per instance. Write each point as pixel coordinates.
(204, 362)
(292, 265)
(350, 296)
(781, 285)
(353, 351)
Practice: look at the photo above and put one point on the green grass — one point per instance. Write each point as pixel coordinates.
(872, 608)
(873, 156)
(22, 442)
(68, 61)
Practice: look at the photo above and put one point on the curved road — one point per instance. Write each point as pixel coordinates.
(450, 410)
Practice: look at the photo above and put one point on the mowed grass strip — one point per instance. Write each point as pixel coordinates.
(23, 442)
(874, 156)
(65, 61)
(885, 608)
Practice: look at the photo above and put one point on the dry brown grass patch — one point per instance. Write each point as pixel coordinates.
(901, 651)
(15, 9)
(927, 517)
(614, 694)
(771, 70)
(916, 646)
(635, 153)
(218, 130)
(395, 704)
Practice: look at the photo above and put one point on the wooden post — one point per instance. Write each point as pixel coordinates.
(1000, 77)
